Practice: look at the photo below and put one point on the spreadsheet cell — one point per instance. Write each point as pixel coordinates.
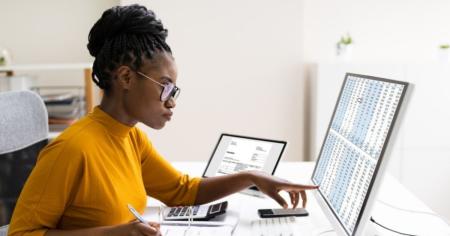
(365, 112)
(354, 142)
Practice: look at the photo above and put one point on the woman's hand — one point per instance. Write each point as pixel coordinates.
(216, 187)
(137, 228)
(271, 186)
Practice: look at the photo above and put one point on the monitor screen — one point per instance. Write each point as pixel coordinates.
(354, 145)
(234, 153)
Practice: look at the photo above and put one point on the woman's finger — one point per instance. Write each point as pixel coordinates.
(154, 224)
(147, 229)
(304, 198)
(297, 198)
(292, 196)
(298, 187)
(279, 199)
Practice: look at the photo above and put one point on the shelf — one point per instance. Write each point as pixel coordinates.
(86, 67)
(39, 67)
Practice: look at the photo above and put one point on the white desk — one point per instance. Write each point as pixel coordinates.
(391, 192)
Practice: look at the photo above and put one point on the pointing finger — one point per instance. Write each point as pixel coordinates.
(298, 187)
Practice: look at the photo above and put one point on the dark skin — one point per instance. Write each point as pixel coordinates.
(134, 99)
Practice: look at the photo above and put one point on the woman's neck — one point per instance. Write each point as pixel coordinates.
(117, 110)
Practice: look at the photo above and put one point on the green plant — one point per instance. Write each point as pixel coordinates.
(2, 60)
(345, 40)
(343, 43)
(444, 46)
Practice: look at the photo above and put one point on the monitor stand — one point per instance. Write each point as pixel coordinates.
(370, 229)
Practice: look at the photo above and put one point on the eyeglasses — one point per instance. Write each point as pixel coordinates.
(169, 89)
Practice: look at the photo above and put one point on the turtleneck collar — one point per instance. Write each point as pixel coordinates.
(112, 125)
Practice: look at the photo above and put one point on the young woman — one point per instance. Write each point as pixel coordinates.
(83, 180)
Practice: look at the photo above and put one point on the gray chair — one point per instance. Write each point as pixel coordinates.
(23, 133)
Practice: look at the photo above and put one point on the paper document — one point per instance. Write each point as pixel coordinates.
(244, 154)
(171, 230)
(219, 225)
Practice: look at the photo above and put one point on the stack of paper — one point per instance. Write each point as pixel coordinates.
(219, 226)
(177, 230)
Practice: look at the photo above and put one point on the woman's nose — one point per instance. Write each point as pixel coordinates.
(170, 103)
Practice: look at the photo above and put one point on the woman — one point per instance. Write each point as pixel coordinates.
(83, 180)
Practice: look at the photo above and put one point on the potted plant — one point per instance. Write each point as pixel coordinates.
(444, 51)
(5, 58)
(344, 46)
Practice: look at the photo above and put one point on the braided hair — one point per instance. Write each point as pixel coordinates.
(124, 35)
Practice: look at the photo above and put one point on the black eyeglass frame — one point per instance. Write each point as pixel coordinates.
(170, 90)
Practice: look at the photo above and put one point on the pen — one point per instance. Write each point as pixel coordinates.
(136, 214)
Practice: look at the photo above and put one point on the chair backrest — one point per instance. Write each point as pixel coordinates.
(4, 230)
(23, 133)
(23, 120)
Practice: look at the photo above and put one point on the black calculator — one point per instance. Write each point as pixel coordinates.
(198, 212)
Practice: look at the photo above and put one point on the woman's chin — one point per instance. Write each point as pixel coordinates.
(156, 125)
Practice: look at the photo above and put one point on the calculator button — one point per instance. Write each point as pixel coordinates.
(171, 212)
(214, 208)
(177, 211)
(195, 210)
(183, 211)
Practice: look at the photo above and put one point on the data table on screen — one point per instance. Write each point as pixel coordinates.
(354, 143)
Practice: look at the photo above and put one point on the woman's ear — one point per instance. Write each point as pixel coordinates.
(124, 74)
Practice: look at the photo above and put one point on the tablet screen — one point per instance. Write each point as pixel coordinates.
(235, 153)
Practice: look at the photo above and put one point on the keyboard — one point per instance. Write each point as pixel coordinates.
(198, 212)
(281, 226)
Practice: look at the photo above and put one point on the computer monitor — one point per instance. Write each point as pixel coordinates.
(351, 158)
(235, 153)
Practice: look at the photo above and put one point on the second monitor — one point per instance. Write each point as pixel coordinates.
(234, 153)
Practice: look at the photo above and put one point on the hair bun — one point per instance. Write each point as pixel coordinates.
(120, 20)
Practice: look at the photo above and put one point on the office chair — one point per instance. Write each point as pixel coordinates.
(23, 133)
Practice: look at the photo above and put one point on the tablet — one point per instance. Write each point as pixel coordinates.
(234, 153)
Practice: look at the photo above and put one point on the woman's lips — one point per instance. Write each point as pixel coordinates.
(168, 116)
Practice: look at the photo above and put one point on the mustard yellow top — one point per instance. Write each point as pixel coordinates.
(88, 175)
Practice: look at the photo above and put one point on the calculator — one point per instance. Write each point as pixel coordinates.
(198, 212)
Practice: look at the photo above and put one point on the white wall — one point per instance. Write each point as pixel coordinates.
(383, 31)
(240, 71)
(50, 31)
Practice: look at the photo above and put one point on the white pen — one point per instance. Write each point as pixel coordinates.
(136, 214)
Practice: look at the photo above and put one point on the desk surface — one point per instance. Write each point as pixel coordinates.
(391, 192)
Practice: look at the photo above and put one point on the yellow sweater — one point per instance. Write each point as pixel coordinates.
(88, 175)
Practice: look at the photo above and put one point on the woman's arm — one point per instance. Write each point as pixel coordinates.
(79, 232)
(213, 188)
(133, 228)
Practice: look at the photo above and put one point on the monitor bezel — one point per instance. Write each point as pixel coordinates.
(284, 143)
(379, 169)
